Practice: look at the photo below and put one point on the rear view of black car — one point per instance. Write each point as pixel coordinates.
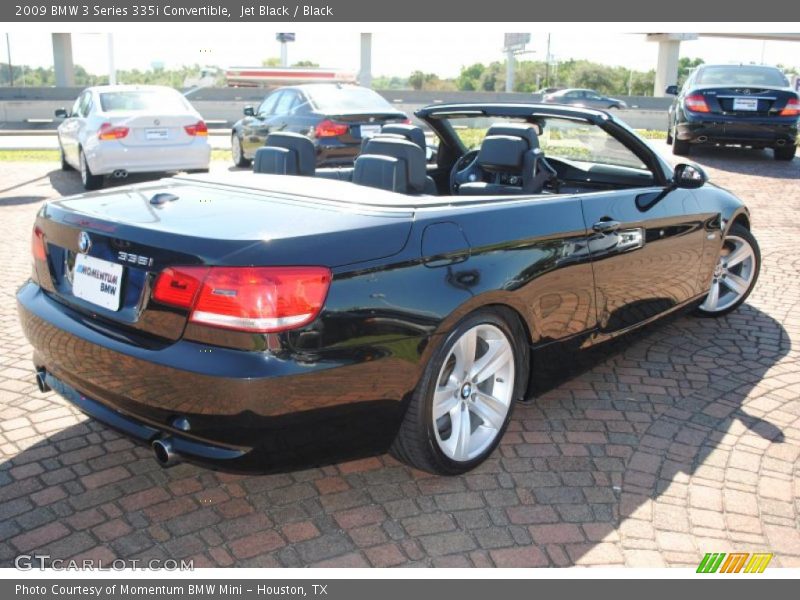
(747, 105)
(335, 117)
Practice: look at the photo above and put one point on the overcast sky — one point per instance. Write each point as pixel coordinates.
(394, 53)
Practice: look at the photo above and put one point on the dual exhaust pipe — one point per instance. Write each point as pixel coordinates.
(163, 450)
(120, 174)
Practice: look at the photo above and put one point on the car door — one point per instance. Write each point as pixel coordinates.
(646, 242)
(282, 115)
(69, 129)
(256, 128)
(594, 100)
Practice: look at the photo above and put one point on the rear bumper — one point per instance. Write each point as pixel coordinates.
(107, 157)
(245, 409)
(727, 130)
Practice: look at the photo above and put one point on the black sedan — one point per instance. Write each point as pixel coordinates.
(336, 117)
(747, 105)
(274, 320)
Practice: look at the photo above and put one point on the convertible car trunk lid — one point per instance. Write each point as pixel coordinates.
(119, 240)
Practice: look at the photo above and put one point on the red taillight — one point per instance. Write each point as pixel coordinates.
(328, 128)
(198, 129)
(37, 244)
(179, 287)
(696, 103)
(108, 132)
(252, 299)
(792, 108)
(407, 122)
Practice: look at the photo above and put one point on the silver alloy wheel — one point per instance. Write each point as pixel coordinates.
(473, 393)
(236, 149)
(732, 276)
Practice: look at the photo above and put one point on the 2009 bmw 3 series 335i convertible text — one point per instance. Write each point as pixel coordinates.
(295, 315)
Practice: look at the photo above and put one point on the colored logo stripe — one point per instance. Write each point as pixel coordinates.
(734, 563)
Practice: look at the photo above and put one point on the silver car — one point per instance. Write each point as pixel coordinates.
(581, 97)
(121, 129)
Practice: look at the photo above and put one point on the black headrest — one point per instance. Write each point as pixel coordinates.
(522, 130)
(502, 153)
(303, 147)
(412, 155)
(384, 172)
(412, 133)
(275, 161)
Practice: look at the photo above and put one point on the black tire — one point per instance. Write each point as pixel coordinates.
(669, 136)
(742, 232)
(65, 166)
(90, 180)
(680, 147)
(239, 159)
(785, 152)
(416, 443)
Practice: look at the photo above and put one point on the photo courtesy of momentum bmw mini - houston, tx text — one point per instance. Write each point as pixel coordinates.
(286, 290)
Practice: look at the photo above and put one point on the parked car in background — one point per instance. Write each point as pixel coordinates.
(121, 129)
(748, 105)
(336, 117)
(588, 98)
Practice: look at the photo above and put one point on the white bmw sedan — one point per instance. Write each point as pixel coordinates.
(120, 129)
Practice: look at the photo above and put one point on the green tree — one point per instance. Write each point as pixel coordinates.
(685, 66)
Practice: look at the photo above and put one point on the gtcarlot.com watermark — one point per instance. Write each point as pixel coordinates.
(31, 562)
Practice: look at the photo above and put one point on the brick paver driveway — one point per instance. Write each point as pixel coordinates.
(681, 441)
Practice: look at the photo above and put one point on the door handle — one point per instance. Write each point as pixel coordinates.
(606, 226)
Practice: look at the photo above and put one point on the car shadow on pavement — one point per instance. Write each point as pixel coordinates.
(745, 160)
(646, 456)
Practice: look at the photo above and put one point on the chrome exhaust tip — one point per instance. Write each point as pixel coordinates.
(780, 143)
(120, 174)
(702, 139)
(41, 381)
(164, 452)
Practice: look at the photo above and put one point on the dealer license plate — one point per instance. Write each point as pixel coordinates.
(368, 131)
(156, 134)
(97, 281)
(745, 104)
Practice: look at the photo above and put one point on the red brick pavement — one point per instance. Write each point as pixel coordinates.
(682, 441)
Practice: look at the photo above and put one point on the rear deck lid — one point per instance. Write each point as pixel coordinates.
(105, 249)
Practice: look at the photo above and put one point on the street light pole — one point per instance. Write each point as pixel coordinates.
(10, 68)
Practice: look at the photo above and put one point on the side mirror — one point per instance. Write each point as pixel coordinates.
(61, 113)
(672, 90)
(249, 111)
(689, 176)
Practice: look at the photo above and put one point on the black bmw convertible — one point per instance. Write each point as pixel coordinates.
(296, 314)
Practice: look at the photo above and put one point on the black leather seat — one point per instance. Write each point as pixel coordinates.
(384, 172)
(410, 154)
(410, 132)
(286, 154)
(510, 157)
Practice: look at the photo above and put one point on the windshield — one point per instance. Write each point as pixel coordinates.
(347, 99)
(745, 75)
(165, 101)
(573, 140)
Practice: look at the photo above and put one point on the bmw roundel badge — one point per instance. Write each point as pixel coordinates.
(84, 242)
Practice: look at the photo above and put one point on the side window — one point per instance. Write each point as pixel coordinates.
(75, 112)
(301, 105)
(268, 105)
(86, 106)
(285, 103)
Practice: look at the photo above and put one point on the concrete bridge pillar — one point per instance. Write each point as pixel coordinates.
(365, 73)
(669, 51)
(62, 60)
